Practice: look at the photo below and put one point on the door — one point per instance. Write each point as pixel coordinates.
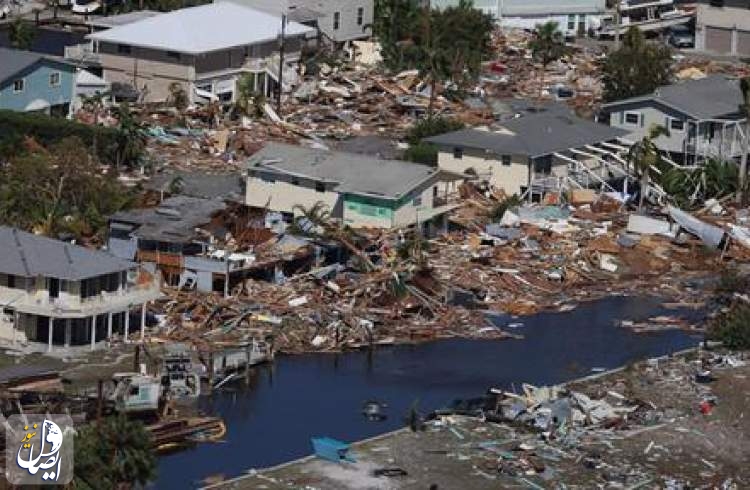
(718, 40)
(743, 43)
(54, 287)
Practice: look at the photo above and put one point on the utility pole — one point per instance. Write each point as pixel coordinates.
(617, 24)
(281, 63)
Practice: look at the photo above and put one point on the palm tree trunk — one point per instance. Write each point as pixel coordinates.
(740, 197)
(431, 105)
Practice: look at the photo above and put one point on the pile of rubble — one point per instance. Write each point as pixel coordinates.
(619, 430)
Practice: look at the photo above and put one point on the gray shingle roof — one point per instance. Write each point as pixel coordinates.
(174, 221)
(27, 255)
(350, 173)
(13, 61)
(707, 98)
(224, 186)
(533, 135)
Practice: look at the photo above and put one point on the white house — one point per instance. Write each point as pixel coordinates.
(54, 294)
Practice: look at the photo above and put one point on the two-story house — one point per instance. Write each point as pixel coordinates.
(546, 151)
(573, 17)
(339, 21)
(54, 294)
(703, 118)
(358, 190)
(34, 82)
(723, 27)
(204, 49)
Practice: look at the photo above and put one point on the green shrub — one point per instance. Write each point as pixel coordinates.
(423, 153)
(732, 328)
(48, 130)
(432, 126)
(497, 212)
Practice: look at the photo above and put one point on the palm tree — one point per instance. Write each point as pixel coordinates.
(114, 453)
(742, 184)
(317, 218)
(547, 45)
(645, 156)
(21, 34)
(130, 138)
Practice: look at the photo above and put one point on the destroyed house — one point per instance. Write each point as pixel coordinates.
(358, 190)
(573, 17)
(702, 116)
(548, 151)
(55, 294)
(202, 244)
(203, 49)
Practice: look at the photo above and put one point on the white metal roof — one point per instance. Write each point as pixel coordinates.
(202, 29)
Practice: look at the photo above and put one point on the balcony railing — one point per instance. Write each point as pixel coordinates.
(83, 53)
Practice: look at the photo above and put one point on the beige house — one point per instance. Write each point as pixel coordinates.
(551, 150)
(54, 294)
(205, 49)
(703, 118)
(723, 27)
(359, 191)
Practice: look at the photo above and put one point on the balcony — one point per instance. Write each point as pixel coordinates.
(82, 53)
(72, 306)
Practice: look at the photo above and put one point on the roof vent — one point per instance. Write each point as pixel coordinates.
(169, 212)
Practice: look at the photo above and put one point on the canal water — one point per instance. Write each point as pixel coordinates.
(271, 421)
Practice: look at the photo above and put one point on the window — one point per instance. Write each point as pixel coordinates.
(54, 79)
(571, 22)
(19, 85)
(174, 55)
(506, 160)
(633, 118)
(676, 124)
(717, 3)
(123, 49)
(458, 153)
(320, 187)
(336, 20)
(360, 16)
(294, 181)
(417, 201)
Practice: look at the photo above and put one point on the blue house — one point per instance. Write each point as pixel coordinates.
(34, 82)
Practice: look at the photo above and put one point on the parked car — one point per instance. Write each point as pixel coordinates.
(681, 37)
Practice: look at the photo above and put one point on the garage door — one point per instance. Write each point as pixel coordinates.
(718, 40)
(743, 43)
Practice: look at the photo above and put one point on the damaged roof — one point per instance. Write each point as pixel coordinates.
(173, 221)
(532, 135)
(350, 173)
(705, 98)
(196, 30)
(28, 255)
(205, 185)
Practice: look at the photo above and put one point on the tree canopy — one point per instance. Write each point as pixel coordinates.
(637, 68)
(443, 44)
(21, 34)
(113, 454)
(60, 189)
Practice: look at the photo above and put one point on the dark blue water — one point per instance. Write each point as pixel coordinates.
(298, 397)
